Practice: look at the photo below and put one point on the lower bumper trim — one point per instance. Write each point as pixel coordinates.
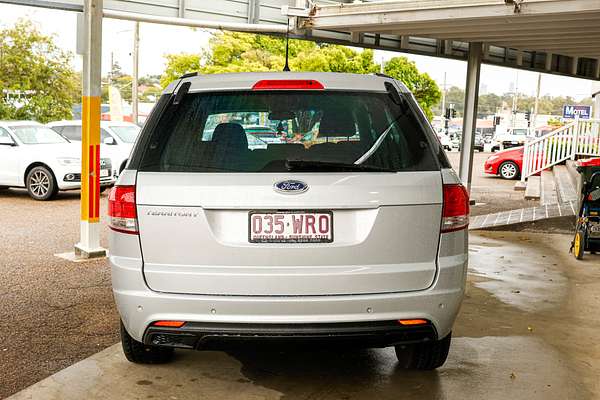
(197, 335)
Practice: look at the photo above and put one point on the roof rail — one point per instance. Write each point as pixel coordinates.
(381, 74)
(188, 75)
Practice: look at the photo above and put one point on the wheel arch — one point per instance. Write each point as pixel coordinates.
(37, 164)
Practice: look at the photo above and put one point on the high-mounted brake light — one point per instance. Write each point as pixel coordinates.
(121, 210)
(288, 84)
(455, 211)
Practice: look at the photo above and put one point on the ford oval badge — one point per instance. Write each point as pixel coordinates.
(290, 187)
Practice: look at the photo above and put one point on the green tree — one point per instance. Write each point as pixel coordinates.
(244, 52)
(424, 88)
(489, 104)
(36, 76)
(179, 64)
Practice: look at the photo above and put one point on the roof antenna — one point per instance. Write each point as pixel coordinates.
(286, 67)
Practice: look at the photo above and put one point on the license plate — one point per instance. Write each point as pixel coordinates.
(595, 228)
(515, 142)
(104, 173)
(290, 227)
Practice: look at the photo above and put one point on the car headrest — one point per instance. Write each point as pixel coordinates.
(336, 124)
(230, 135)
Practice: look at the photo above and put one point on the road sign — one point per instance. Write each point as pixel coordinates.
(571, 112)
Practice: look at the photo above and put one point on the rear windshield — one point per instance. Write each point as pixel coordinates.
(280, 131)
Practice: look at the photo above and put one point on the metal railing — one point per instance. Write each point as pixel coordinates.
(581, 137)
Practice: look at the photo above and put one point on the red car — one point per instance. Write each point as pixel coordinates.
(506, 163)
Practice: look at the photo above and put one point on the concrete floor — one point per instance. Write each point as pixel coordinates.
(528, 329)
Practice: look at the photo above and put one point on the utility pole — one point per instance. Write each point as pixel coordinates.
(112, 68)
(134, 81)
(537, 101)
(514, 105)
(444, 96)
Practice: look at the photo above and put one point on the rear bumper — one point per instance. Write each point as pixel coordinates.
(196, 335)
(140, 306)
(139, 309)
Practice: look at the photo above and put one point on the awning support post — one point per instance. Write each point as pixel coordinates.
(89, 243)
(470, 113)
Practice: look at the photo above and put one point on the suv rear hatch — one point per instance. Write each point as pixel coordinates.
(348, 200)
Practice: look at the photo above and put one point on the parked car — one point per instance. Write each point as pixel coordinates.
(513, 137)
(345, 241)
(37, 158)
(455, 137)
(479, 143)
(445, 141)
(454, 142)
(506, 163)
(117, 138)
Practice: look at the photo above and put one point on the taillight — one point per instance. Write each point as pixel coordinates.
(455, 211)
(288, 84)
(121, 210)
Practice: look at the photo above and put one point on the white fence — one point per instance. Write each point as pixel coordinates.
(578, 138)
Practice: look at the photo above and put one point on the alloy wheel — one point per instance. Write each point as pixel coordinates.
(39, 182)
(508, 170)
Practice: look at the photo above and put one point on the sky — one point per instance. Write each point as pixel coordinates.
(158, 40)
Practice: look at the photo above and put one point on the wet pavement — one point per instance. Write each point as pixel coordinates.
(72, 303)
(528, 329)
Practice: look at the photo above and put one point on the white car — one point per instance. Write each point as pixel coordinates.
(361, 237)
(513, 137)
(117, 138)
(445, 141)
(37, 158)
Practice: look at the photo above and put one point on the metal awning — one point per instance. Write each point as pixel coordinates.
(552, 36)
(530, 32)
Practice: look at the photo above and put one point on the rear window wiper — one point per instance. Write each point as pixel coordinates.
(309, 165)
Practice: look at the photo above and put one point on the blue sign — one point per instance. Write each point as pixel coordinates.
(570, 112)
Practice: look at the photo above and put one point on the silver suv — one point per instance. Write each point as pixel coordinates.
(349, 228)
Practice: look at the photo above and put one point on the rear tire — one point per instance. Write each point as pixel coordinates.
(41, 184)
(424, 356)
(139, 353)
(509, 170)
